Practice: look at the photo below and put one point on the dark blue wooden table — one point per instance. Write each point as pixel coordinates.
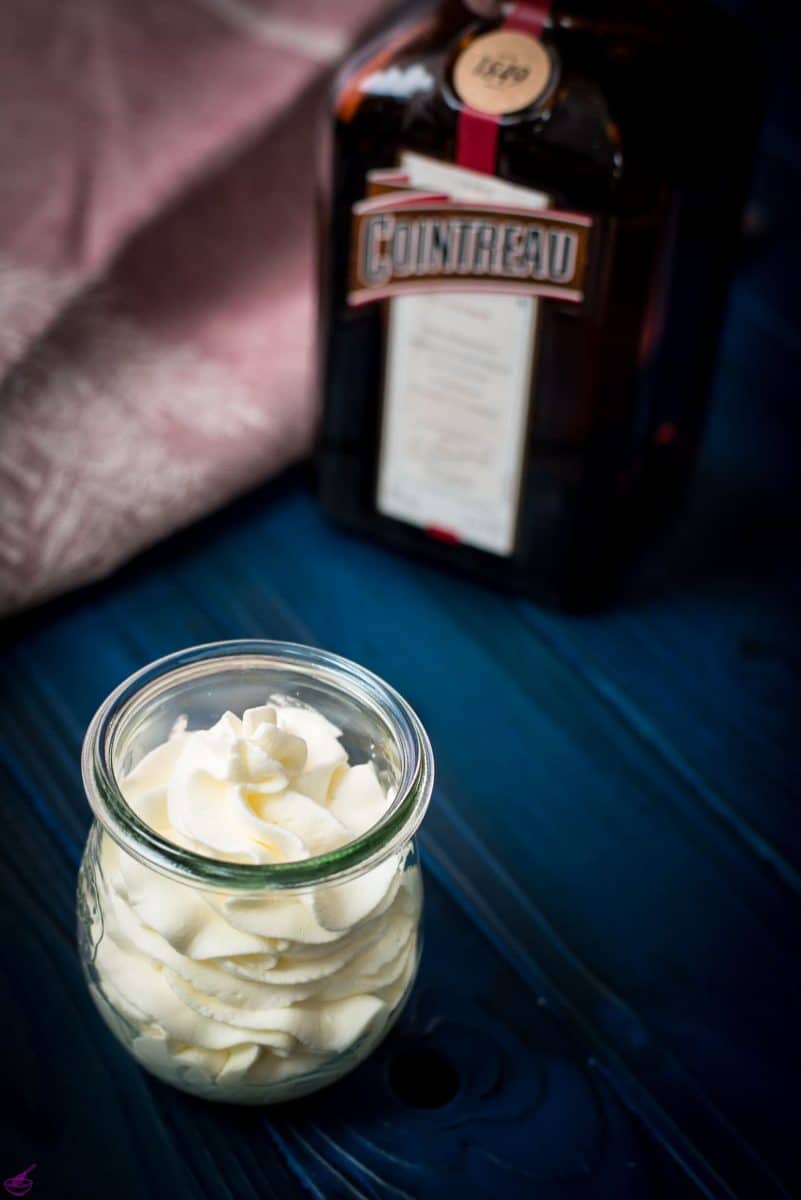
(609, 1000)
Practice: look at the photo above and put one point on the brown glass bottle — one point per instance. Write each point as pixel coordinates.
(645, 129)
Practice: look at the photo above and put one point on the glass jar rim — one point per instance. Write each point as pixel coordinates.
(387, 836)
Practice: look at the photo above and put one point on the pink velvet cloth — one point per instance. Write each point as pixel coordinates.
(157, 172)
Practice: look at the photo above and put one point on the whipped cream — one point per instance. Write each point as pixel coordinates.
(225, 993)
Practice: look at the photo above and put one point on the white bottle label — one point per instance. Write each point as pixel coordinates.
(456, 391)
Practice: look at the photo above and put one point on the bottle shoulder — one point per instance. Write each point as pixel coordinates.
(390, 67)
(406, 100)
(611, 131)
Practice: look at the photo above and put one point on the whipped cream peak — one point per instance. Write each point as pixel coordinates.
(273, 785)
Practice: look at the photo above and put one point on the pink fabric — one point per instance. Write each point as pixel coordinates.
(156, 266)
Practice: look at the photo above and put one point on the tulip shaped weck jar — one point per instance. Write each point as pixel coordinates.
(250, 895)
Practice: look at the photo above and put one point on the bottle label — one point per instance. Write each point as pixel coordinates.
(502, 72)
(459, 362)
(410, 239)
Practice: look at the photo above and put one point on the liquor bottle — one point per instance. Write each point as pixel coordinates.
(530, 217)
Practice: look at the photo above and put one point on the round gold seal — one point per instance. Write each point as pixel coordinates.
(502, 72)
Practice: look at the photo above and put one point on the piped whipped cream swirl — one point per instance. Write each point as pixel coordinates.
(228, 992)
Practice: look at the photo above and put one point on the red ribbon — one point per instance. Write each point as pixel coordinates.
(477, 132)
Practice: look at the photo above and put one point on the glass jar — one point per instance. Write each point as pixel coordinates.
(251, 982)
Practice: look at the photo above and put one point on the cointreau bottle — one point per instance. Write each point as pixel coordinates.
(530, 221)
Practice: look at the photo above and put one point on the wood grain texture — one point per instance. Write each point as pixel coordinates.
(624, 914)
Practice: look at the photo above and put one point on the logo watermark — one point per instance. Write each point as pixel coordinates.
(20, 1185)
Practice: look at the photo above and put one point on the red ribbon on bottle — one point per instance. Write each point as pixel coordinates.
(477, 132)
